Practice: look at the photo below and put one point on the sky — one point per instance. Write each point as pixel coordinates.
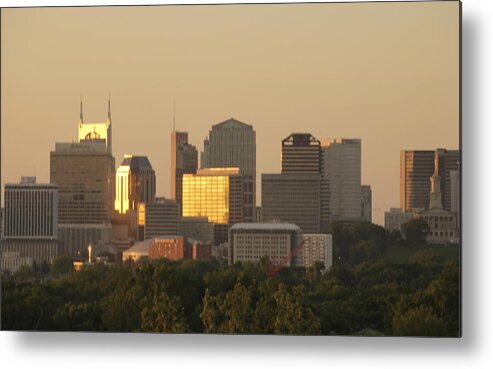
(387, 73)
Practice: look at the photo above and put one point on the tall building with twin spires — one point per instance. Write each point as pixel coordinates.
(84, 172)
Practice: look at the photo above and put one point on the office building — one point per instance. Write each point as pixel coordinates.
(455, 204)
(184, 160)
(300, 153)
(341, 169)
(85, 172)
(158, 218)
(317, 248)
(135, 183)
(366, 204)
(416, 168)
(232, 144)
(396, 217)
(197, 228)
(137, 251)
(179, 248)
(292, 198)
(250, 242)
(219, 195)
(30, 224)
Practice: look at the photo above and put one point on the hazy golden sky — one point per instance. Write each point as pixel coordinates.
(387, 73)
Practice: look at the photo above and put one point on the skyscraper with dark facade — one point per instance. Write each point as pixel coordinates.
(300, 153)
(416, 168)
(232, 144)
(184, 160)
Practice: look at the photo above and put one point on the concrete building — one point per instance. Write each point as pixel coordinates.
(292, 198)
(158, 218)
(341, 169)
(233, 144)
(396, 217)
(137, 251)
(300, 153)
(416, 168)
(30, 224)
(280, 242)
(85, 174)
(179, 248)
(455, 204)
(197, 228)
(442, 223)
(184, 160)
(218, 194)
(366, 203)
(317, 247)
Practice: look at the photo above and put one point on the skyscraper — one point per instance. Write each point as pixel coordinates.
(215, 193)
(84, 173)
(184, 160)
(292, 198)
(300, 153)
(158, 218)
(135, 183)
(416, 168)
(30, 230)
(232, 144)
(366, 203)
(341, 168)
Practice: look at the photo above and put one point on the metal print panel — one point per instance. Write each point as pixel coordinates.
(288, 169)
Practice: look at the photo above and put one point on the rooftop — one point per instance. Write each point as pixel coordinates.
(136, 161)
(267, 226)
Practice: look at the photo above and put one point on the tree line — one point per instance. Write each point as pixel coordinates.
(362, 294)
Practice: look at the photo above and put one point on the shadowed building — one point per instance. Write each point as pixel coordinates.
(30, 224)
(341, 167)
(300, 153)
(158, 218)
(184, 160)
(179, 248)
(366, 203)
(292, 198)
(232, 144)
(416, 168)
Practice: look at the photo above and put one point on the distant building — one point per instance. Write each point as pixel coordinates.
(455, 204)
(233, 144)
(442, 223)
(184, 160)
(30, 224)
(416, 168)
(258, 214)
(292, 198)
(218, 194)
(137, 251)
(341, 173)
(158, 218)
(280, 242)
(178, 248)
(85, 174)
(366, 203)
(396, 217)
(197, 228)
(135, 183)
(317, 248)
(300, 153)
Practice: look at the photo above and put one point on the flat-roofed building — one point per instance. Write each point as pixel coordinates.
(366, 203)
(341, 172)
(218, 194)
(158, 218)
(292, 198)
(178, 248)
(280, 242)
(197, 228)
(30, 224)
(317, 247)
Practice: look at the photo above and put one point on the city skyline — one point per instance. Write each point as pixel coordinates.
(296, 86)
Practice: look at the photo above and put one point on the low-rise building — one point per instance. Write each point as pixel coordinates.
(280, 242)
(178, 248)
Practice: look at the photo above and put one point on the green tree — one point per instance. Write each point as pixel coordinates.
(415, 232)
(418, 321)
(61, 265)
(166, 314)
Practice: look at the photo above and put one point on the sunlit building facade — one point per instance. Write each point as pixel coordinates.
(233, 144)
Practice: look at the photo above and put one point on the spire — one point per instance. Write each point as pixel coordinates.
(109, 105)
(81, 119)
